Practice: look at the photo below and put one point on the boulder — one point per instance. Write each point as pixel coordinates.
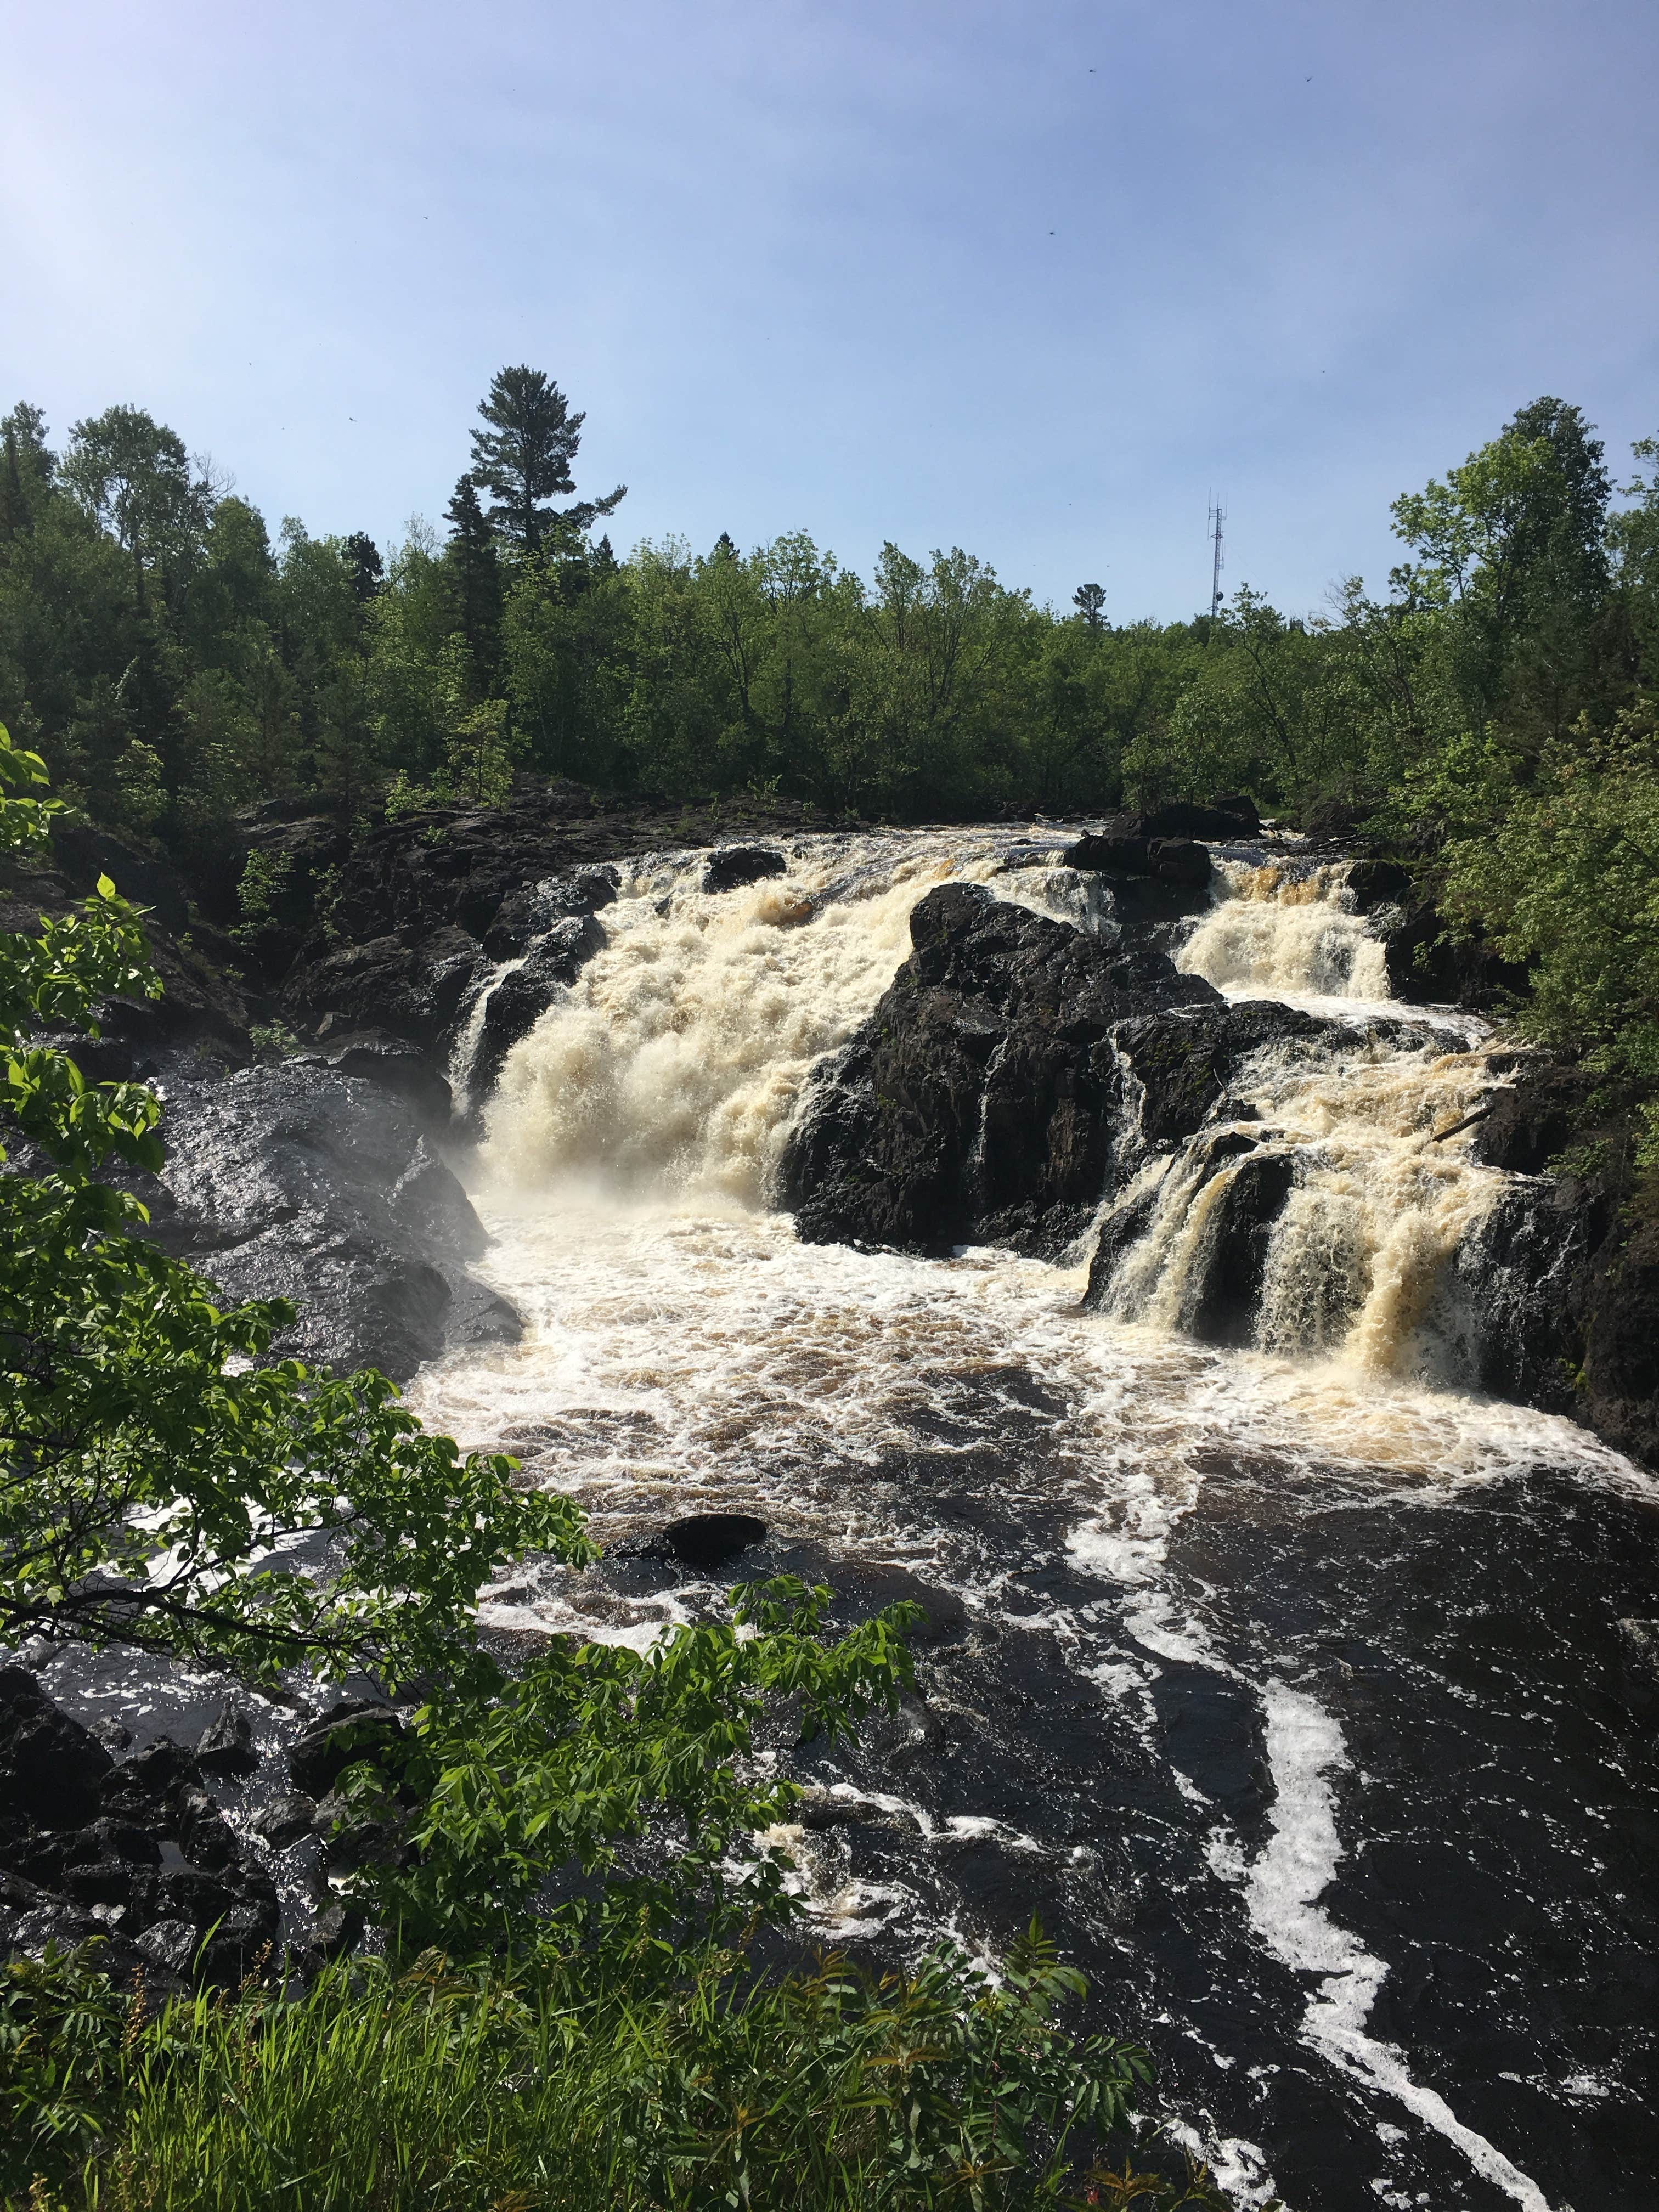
(524, 915)
(393, 1062)
(1163, 859)
(977, 1102)
(409, 984)
(517, 1000)
(226, 1744)
(710, 1541)
(353, 1730)
(285, 1819)
(137, 1852)
(734, 866)
(52, 1771)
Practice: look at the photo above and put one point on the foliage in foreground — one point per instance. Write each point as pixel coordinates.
(830, 2090)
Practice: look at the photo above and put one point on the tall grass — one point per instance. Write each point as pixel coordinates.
(373, 2091)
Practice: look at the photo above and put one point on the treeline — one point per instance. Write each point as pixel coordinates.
(1492, 716)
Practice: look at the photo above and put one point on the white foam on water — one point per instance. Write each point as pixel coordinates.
(1282, 1892)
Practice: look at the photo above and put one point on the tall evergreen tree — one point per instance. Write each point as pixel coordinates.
(526, 456)
(367, 569)
(26, 467)
(476, 567)
(1089, 600)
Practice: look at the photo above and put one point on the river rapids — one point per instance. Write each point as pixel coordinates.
(1287, 1683)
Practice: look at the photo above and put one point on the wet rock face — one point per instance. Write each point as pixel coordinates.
(976, 1104)
(1169, 860)
(517, 1000)
(1012, 1073)
(297, 1181)
(733, 865)
(136, 1852)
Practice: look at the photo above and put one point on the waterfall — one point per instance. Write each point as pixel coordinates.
(673, 1065)
(1325, 1207)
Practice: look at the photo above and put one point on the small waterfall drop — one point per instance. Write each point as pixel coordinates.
(1340, 1187)
(1278, 930)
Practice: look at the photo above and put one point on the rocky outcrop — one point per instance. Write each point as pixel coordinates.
(977, 1102)
(136, 1853)
(299, 1181)
(734, 866)
(516, 1000)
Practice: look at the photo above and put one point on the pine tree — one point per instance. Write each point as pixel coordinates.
(367, 569)
(476, 567)
(1089, 600)
(527, 455)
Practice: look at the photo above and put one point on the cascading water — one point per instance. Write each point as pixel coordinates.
(1197, 1701)
(1286, 930)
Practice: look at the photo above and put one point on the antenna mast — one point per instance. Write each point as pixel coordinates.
(1217, 516)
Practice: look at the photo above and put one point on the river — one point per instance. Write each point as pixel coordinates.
(1287, 1686)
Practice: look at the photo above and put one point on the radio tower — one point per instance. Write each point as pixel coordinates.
(1217, 516)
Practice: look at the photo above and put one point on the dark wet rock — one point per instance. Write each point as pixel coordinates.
(1512, 1299)
(459, 878)
(52, 1771)
(1540, 1116)
(1378, 884)
(1620, 1376)
(1427, 966)
(226, 1745)
(393, 1062)
(411, 986)
(90, 1846)
(295, 1182)
(516, 1000)
(709, 1540)
(976, 1102)
(1234, 1257)
(734, 866)
(351, 1731)
(525, 915)
(171, 1945)
(337, 1929)
(1170, 860)
(285, 1819)
(1222, 819)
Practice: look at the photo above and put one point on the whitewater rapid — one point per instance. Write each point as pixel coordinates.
(683, 1352)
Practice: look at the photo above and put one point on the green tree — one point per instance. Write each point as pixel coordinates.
(474, 566)
(526, 455)
(133, 475)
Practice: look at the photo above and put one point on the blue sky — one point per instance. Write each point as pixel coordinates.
(1032, 279)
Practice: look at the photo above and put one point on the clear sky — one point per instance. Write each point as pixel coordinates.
(1030, 278)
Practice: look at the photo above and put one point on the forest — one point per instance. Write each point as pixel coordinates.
(1491, 720)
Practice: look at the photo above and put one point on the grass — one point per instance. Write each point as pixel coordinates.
(377, 2091)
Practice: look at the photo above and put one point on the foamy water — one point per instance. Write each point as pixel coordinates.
(683, 1352)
